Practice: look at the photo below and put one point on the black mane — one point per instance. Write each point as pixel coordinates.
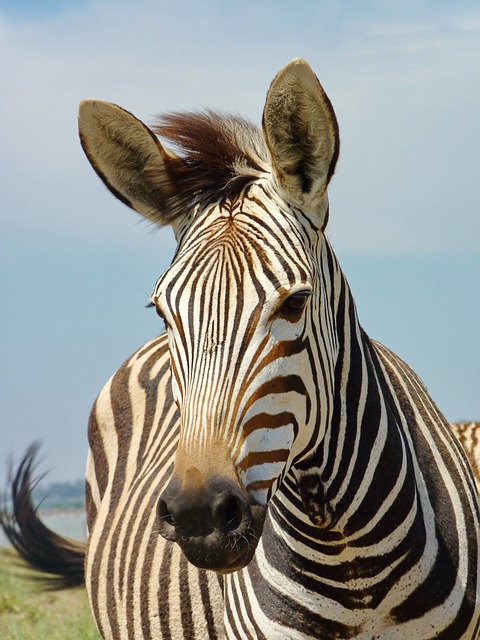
(218, 155)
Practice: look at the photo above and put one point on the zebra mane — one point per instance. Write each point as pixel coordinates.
(217, 156)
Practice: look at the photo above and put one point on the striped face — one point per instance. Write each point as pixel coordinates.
(242, 302)
(237, 303)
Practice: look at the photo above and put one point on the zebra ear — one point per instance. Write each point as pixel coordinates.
(301, 133)
(128, 157)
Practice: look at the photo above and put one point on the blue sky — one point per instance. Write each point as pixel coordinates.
(77, 266)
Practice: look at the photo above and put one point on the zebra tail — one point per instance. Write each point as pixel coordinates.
(59, 560)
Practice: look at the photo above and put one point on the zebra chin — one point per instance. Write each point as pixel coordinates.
(216, 526)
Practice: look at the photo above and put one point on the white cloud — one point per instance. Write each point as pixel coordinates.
(404, 90)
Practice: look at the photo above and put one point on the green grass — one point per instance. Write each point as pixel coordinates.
(26, 613)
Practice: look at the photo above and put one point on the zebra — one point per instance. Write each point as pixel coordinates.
(468, 433)
(263, 469)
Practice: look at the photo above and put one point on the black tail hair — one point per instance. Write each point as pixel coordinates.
(59, 560)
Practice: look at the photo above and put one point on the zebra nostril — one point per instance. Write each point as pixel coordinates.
(229, 514)
(166, 526)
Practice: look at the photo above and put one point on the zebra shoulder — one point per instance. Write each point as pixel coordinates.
(132, 395)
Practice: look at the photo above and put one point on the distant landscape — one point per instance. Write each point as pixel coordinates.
(60, 495)
(55, 495)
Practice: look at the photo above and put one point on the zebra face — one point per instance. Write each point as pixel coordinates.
(244, 301)
(237, 303)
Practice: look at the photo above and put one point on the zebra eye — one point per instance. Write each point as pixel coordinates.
(152, 305)
(294, 304)
(159, 313)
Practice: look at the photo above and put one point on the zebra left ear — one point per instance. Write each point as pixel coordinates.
(301, 133)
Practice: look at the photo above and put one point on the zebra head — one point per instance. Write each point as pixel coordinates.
(248, 301)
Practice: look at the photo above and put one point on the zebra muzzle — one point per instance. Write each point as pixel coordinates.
(215, 525)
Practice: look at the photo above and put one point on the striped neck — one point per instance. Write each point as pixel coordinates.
(362, 440)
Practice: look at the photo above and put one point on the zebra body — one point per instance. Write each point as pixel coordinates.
(265, 470)
(182, 600)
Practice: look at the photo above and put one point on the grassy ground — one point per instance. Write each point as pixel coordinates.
(29, 614)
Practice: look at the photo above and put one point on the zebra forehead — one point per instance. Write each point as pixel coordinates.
(238, 237)
(237, 264)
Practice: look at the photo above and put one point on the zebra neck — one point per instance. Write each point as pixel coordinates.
(360, 482)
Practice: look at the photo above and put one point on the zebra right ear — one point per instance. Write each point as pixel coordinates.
(301, 133)
(128, 157)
